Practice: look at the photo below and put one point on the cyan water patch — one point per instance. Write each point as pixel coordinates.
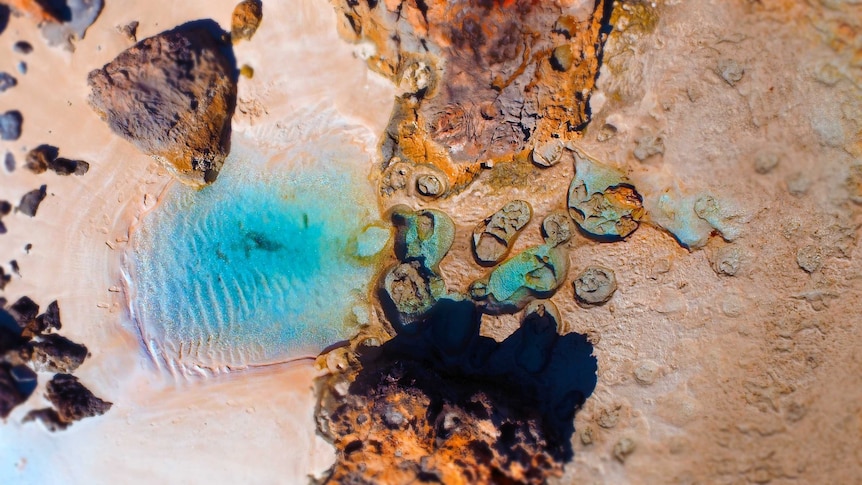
(270, 263)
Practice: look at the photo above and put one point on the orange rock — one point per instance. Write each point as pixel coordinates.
(38, 11)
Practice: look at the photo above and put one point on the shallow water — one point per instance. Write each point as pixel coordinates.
(262, 266)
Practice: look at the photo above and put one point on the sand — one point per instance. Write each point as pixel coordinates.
(254, 426)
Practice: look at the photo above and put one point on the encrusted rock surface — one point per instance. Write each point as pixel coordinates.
(480, 82)
(493, 236)
(173, 95)
(54, 353)
(72, 400)
(245, 20)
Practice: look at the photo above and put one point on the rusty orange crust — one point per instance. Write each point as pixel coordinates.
(33, 9)
(497, 88)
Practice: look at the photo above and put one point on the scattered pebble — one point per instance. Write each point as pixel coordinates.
(39, 158)
(562, 58)
(730, 71)
(10, 125)
(22, 67)
(726, 260)
(646, 372)
(547, 154)
(557, 228)
(430, 185)
(31, 200)
(765, 163)
(9, 162)
(648, 146)
(245, 20)
(595, 286)
(22, 47)
(246, 71)
(809, 258)
(7, 81)
(606, 132)
(130, 30)
(798, 184)
(623, 449)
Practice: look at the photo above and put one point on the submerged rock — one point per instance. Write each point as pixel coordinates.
(424, 235)
(245, 20)
(10, 125)
(173, 96)
(412, 289)
(602, 201)
(53, 353)
(557, 229)
(72, 400)
(534, 273)
(494, 236)
(31, 200)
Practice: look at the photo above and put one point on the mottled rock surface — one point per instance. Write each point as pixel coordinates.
(173, 95)
(245, 20)
(493, 236)
(10, 125)
(72, 400)
(54, 353)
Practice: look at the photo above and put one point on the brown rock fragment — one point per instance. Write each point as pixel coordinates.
(47, 416)
(72, 400)
(39, 158)
(53, 353)
(245, 20)
(172, 95)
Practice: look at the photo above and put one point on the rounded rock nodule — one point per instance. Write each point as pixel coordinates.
(595, 286)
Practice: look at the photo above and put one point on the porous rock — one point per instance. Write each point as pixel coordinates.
(172, 95)
(54, 353)
(245, 20)
(595, 286)
(72, 400)
(493, 236)
(602, 201)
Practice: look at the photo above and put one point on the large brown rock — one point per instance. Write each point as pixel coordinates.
(72, 400)
(173, 96)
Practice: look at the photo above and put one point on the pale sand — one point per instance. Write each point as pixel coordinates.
(254, 426)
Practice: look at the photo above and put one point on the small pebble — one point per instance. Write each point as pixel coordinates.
(10, 125)
(646, 372)
(9, 162)
(595, 286)
(730, 71)
(809, 258)
(22, 67)
(649, 146)
(623, 449)
(726, 260)
(7, 81)
(765, 162)
(22, 47)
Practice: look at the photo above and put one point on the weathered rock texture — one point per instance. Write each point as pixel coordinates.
(480, 82)
(441, 404)
(173, 96)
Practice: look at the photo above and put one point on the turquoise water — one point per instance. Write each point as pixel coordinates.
(268, 264)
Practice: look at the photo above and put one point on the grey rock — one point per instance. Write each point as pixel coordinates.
(730, 71)
(81, 15)
(10, 125)
(31, 200)
(7, 81)
(9, 162)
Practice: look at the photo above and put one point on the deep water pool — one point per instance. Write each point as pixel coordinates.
(270, 263)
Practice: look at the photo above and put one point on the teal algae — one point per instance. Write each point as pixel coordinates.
(271, 263)
(424, 235)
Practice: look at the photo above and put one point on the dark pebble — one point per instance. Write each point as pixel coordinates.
(7, 81)
(31, 200)
(10, 125)
(22, 47)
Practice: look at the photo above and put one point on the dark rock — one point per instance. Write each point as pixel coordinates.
(47, 416)
(5, 207)
(4, 17)
(22, 47)
(173, 96)
(31, 200)
(10, 397)
(24, 311)
(82, 168)
(24, 377)
(72, 400)
(9, 162)
(7, 81)
(245, 20)
(22, 67)
(15, 268)
(4, 278)
(10, 125)
(53, 353)
(65, 166)
(40, 158)
(50, 320)
(130, 30)
(3, 229)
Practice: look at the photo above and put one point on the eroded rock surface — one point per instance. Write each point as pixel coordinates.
(479, 81)
(54, 353)
(173, 95)
(493, 236)
(72, 400)
(245, 20)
